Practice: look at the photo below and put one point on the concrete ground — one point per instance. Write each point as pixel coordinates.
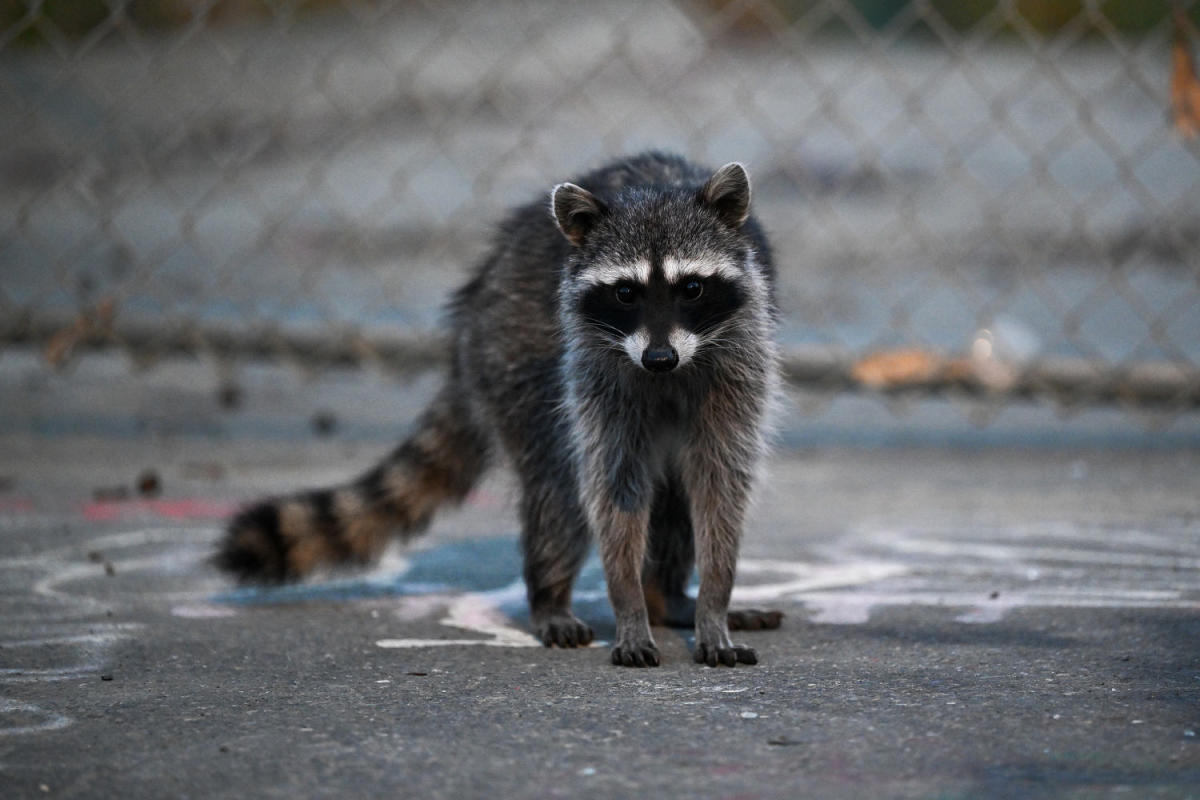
(974, 620)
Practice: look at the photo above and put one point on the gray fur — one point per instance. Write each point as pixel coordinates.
(658, 466)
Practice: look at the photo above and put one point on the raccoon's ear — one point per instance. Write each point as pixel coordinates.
(728, 193)
(576, 211)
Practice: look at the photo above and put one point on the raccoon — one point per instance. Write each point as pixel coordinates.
(619, 351)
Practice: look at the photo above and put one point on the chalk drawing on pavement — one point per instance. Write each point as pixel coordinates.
(63, 608)
(20, 718)
(57, 602)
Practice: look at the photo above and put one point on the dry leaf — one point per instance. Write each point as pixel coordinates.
(89, 324)
(895, 368)
(1185, 87)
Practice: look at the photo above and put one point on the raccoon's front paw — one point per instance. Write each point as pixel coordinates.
(635, 654)
(729, 656)
(564, 630)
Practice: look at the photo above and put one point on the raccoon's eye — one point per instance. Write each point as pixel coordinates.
(625, 294)
(692, 290)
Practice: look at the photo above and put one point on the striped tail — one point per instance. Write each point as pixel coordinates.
(284, 539)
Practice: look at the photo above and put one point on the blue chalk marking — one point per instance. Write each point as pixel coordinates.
(477, 566)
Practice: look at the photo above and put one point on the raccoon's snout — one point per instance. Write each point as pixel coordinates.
(660, 359)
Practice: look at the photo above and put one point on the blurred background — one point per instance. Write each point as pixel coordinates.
(986, 213)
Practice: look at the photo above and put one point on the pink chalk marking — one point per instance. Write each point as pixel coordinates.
(728, 769)
(183, 508)
(16, 505)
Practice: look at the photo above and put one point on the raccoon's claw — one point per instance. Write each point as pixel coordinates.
(754, 619)
(565, 631)
(728, 656)
(635, 655)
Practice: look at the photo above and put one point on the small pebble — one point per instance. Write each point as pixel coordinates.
(148, 483)
(107, 676)
(783, 741)
(229, 396)
(324, 423)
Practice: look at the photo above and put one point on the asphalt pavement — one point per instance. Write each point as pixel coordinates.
(975, 619)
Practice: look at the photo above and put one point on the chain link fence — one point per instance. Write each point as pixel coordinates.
(992, 198)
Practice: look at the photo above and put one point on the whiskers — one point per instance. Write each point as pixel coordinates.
(608, 337)
(737, 339)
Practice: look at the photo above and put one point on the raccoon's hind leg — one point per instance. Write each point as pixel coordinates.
(670, 556)
(554, 541)
(286, 538)
(670, 553)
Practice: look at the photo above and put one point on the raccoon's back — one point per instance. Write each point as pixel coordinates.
(511, 304)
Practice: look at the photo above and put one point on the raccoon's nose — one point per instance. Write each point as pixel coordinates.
(660, 359)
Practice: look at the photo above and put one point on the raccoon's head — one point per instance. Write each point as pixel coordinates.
(661, 273)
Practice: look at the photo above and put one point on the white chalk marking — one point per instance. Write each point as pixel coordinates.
(805, 577)
(203, 611)
(51, 721)
(1068, 555)
(90, 645)
(478, 613)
